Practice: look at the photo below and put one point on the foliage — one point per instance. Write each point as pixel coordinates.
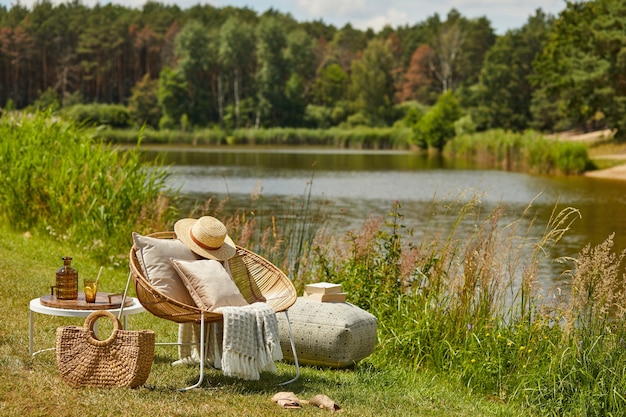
(459, 46)
(582, 66)
(502, 97)
(436, 127)
(172, 95)
(220, 58)
(59, 180)
(272, 74)
(236, 40)
(216, 64)
(417, 83)
(197, 61)
(466, 302)
(47, 101)
(112, 115)
(330, 85)
(372, 85)
(143, 104)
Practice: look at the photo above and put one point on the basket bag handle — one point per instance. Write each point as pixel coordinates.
(90, 321)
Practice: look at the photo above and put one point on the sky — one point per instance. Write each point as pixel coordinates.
(375, 14)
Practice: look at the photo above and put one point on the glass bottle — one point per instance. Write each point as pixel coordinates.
(67, 281)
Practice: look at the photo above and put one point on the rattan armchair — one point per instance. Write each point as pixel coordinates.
(257, 279)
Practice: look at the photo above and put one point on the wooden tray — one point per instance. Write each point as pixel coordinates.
(104, 301)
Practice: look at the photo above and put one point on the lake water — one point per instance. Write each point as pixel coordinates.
(357, 183)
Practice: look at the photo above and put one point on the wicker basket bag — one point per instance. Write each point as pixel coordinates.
(123, 359)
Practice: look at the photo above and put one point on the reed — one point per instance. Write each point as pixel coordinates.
(353, 138)
(528, 151)
(281, 229)
(466, 301)
(58, 179)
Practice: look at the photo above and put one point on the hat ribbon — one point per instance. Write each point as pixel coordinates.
(202, 245)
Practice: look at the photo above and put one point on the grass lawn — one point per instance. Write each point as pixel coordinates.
(33, 387)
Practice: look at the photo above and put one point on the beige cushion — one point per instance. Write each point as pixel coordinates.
(328, 334)
(208, 283)
(154, 255)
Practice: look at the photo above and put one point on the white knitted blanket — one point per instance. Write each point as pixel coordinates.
(251, 341)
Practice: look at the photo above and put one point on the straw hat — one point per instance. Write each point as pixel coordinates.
(206, 236)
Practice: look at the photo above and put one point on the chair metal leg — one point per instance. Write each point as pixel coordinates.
(202, 356)
(293, 350)
(119, 315)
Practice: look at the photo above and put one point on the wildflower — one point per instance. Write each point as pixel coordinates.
(529, 350)
(469, 326)
(509, 343)
(473, 360)
(522, 348)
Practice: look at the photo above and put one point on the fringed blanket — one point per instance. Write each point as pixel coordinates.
(251, 342)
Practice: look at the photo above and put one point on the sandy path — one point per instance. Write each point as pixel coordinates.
(617, 172)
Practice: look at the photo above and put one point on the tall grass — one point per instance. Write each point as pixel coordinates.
(529, 151)
(353, 138)
(466, 301)
(280, 229)
(57, 179)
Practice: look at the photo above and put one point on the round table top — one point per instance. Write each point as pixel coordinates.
(35, 305)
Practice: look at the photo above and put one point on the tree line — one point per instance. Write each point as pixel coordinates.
(205, 66)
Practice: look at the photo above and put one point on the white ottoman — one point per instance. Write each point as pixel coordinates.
(328, 334)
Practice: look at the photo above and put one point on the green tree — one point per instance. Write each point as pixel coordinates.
(345, 47)
(502, 97)
(236, 47)
(372, 87)
(459, 46)
(104, 50)
(436, 127)
(479, 39)
(143, 104)
(330, 86)
(172, 95)
(302, 64)
(198, 65)
(272, 73)
(581, 73)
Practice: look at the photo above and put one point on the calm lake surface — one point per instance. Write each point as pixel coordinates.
(358, 183)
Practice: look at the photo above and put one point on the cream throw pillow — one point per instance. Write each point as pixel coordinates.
(154, 255)
(209, 283)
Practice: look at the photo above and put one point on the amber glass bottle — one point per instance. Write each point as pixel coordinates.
(67, 281)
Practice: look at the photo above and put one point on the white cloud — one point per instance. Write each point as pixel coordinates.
(321, 8)
(391, 17)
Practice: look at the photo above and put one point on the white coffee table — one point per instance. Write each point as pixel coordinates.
(37, 307)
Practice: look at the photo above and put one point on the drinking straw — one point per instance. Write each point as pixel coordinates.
(98, 277)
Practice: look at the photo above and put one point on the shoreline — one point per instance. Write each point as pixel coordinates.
(617, 173)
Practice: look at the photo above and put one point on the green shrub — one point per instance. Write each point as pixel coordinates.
(436, 127)
(112, 115)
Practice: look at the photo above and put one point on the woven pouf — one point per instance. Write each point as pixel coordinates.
(328, 334)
